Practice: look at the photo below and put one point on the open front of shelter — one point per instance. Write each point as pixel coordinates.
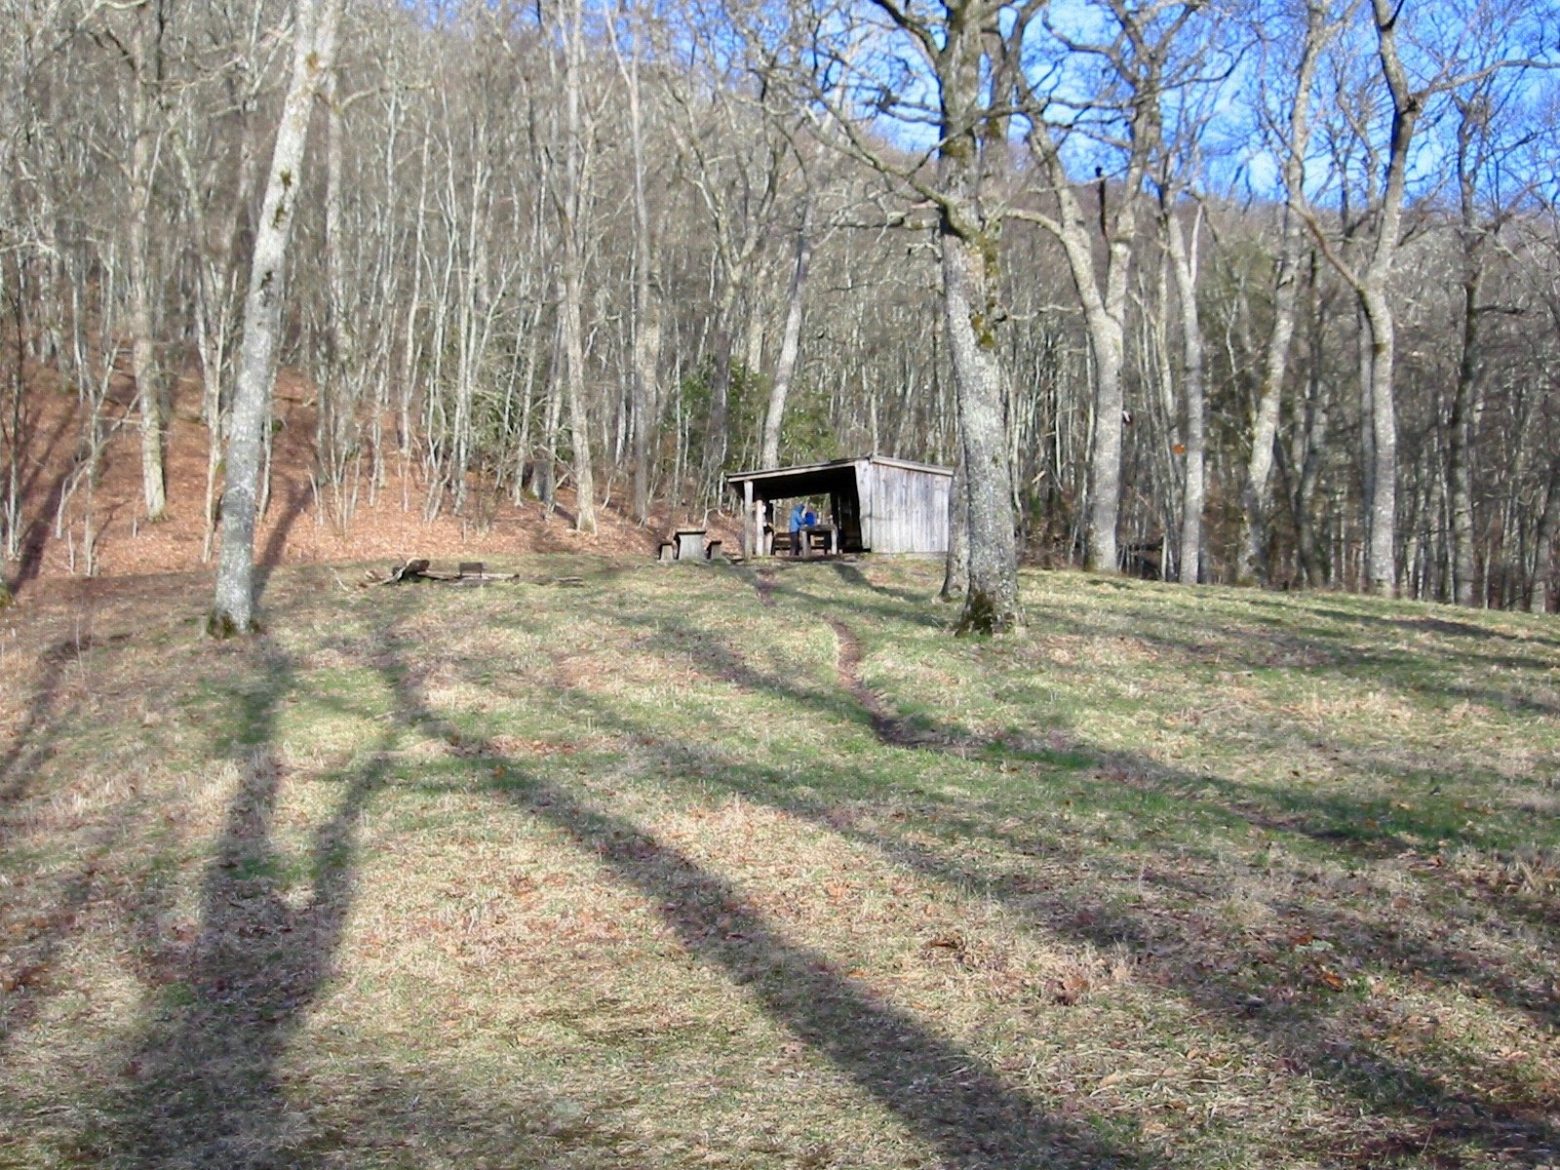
(868, 504)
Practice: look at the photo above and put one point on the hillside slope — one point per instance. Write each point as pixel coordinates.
(386, 524)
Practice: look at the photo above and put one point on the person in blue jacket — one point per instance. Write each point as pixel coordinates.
(798, 522)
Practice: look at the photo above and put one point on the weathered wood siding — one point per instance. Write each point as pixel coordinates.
(879, 504)
(904, 510)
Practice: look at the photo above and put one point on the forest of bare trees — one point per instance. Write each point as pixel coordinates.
(1259, 291)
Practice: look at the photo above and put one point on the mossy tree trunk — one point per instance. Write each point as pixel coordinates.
(971, 310)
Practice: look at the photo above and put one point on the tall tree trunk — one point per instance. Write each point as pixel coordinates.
(790, 341)
(1370, 279)
(647, 364)
(724, 339)
(314, 47)
(1183, 264)
(1308, 441)
(1473, 143)
(216, 240)
(991, 601)
(1107, 340)
(1381, 425)
(571, 280)
(1104, 314)
(1256, 491)
(1545, 578)
(644, 402)
(1460, 432)
(143, 361)
(12, 423)
(969, 286)
(338, 426)
(956, 566)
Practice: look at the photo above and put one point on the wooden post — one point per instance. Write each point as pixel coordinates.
(752, 532)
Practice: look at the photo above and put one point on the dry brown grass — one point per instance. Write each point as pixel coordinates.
(640, 872)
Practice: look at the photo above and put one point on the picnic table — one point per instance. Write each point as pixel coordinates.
(689, 544)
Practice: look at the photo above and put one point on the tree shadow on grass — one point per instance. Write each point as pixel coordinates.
(35, 741)
(853, 576)
(213, 1077)
(35, 945)
(229, 1000)
(1346, 648)
(943, 1093)
(393, 1115)
(1429, 623)
(31, 958)
(1262, 986)
(1232, 976)
(35, 533)
(1213, 971)
(1369, 830)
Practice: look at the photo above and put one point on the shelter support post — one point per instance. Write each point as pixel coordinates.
(752, 523)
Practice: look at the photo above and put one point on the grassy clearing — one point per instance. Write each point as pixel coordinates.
(635, 865)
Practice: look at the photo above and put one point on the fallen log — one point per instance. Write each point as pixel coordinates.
(418, 571)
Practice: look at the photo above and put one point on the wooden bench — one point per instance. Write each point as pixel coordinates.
(818, 538)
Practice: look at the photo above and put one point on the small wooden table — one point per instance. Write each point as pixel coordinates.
(826, 537)
(690, 543)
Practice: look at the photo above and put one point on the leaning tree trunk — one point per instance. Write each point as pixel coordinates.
(1381, 423)
(313, 50)
(790, 342)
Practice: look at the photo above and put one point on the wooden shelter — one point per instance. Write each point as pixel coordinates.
(874, 503)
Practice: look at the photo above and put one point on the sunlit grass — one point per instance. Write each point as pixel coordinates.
(626, 864)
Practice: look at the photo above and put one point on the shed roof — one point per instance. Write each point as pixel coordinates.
(807, 479)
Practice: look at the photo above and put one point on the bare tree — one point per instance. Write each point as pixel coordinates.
(314, 44)
(1136, 64)
(647, 293)
(1183, 265)
(969, 50)
(790, 338)
(572, 199)
(1292, 135)
(144, 60)
(1387, 173)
